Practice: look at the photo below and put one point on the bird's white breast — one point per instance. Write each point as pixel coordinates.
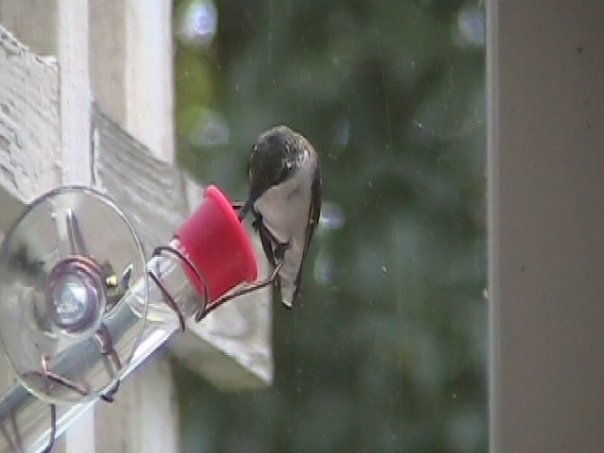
(285, 212)
(285, 207)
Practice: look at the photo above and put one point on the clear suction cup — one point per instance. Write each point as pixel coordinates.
(66, 327)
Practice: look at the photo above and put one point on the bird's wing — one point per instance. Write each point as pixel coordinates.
(265, 238)
(314, 213)
(268, 245)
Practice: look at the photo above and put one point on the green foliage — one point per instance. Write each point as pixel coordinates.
(387, 350)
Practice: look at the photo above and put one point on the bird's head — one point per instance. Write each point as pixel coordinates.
(274, 159)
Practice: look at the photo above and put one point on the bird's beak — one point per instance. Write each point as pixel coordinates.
(245, 208)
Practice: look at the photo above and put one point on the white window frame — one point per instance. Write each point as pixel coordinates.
(545, 78)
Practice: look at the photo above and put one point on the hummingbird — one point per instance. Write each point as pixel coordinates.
(285, 200)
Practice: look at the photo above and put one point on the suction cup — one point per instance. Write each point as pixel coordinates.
(67, 267)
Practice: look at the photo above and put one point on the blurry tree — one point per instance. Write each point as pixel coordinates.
(387, 350)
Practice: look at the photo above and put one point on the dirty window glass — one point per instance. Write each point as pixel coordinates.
(387, 349)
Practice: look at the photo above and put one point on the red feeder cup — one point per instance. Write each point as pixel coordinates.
(219, 246)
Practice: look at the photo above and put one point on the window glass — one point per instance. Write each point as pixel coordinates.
(387, 349)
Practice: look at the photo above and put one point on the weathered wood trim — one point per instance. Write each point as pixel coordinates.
(144, 416)
(52, 133)
(149, 190)
(32, 22)
(108, 57)
(148, 75)
(234, 352)
(30, 139)
(73, 49)
(153, 195)
(80, 435)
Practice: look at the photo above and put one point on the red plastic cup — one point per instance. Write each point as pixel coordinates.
(219, 246)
